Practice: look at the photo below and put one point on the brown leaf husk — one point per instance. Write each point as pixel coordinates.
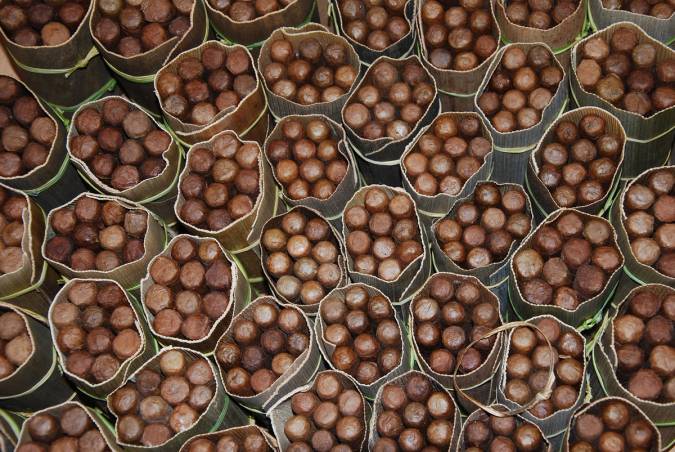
(238, 432)
(560, 37)
(241, 237)
(281, 107)
(480, 415)
(378, 160)
(480, 384)
(135, 73)
(275, 222)
(605, 365)
(220, 412)
(282, 411)
(38, 382)
(128, 366)
(62, 88)
(588, 309)
(31, 287)
(431, 208)
(332, 207)
(127, 275)
(248, 119)
(399, 49)
(541, 195)
(554, 425)
(401, 381)
(327, 348)
(634, 412)
(239, 296)
(635, 269)
(43, 180)
(57, 411)
(304, 368)
(157, 193)
(648, 139)
(495, 275)
(456, 88)
(252, 32)
(512, 149)
(661, 29)
(401, 290)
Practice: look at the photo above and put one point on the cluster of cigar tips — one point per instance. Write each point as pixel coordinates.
(70, 429)
(260, 349)
(658, 9)
(92, 234)
(485, 431)
(221, 184)
(302, 257)
(447, 155)
(540, 14)
(530, 359)
(42, 23)
(159, 402)
(649, 205)
(364, 332)
(390, 101)
(121, 145)
(26, 132)
(307, 160)
(579, 165)
(16, 345)
(625, 71)
(190, 289)
(381, 234)
(482, 230)
(330, 416)
(645, 345)
(521, 87)
(447, 317)
(458, 34)
(611, 424)
(412, 415)
(12, 207)
(247, 10)
(567, 261)
(309, 72)
(253, 441)
(197, 88)
(132, 27)
(96, 330)
(376, 25)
